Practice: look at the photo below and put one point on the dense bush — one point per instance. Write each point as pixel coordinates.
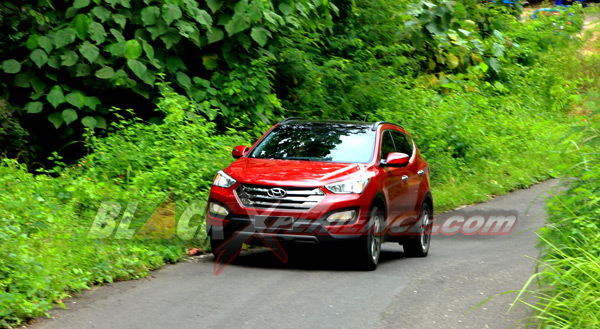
(46, 223)
(60, 60)
(565, 288)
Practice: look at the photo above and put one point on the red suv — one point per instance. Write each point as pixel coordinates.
(324, 181)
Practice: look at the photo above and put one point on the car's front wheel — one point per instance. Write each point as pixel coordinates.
(418, 246)
(369, 246)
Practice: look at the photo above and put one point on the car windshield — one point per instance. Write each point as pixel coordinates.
(329, 142)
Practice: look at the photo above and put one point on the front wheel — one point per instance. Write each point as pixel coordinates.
(369, 247)
(418, 246)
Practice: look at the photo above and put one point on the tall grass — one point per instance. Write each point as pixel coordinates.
(566, 285)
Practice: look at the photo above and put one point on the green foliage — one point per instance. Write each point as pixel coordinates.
(566, 283)
(120, 48)
(49, 253)
(13, 138)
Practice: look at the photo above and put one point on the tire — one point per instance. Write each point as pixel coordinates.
(369, 246)
(215, 243)
(418, 246)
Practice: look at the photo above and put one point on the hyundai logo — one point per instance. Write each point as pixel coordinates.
(276, 192)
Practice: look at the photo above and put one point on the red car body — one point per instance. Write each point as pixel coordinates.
(308, 200)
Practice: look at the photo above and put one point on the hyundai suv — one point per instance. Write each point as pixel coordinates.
(307, 181)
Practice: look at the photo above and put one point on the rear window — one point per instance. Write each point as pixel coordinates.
(318, 142)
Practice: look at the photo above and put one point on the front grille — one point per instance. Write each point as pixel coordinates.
(279, 198)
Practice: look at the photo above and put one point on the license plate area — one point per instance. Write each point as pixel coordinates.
(273, 222)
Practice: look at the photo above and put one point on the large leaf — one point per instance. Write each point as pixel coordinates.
(69, 115)
(137, 67)
(214, 5)
(236, 24)
(260, 35)
(157, 30)
(89, 122)
(97, 32)
(148, 50)
(34, 107)
(125, 3)
(54, 62)
(76, 99)
(23, 79)
(120, 19)
(133, 49)
(32, 41)
(82, 70)
(64, 37)
(69, 58)
(117, 49)
(184, 80)
(118, 35)
(100, 122)
(201, 16)
(285, 8)
(45, 43)
(82, 26)
(56, 119)
(150, 15)
(92, 102)
(89, 51)
(106, 72)
(215, 34)
(55, 96)
(81, 3)
(170, 39)
(38, 84)
(433, 28)
(11, 66)
(39, 57)
(102, 13)
(494, 64)
(171, 12)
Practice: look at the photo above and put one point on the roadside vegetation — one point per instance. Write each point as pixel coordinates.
(565, 290)
(137, 106)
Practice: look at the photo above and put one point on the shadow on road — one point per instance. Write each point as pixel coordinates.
(310, 257)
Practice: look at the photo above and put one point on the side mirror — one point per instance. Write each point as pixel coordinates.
(396, 159)
(239, 151)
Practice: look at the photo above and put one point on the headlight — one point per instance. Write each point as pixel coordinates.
(348, 186)
(223, 180)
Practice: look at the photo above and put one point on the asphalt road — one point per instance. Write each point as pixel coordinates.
(317, 289)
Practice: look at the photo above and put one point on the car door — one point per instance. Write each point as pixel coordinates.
(411, 177)
(394, 183)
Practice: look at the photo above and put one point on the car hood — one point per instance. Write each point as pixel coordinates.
(291, 172)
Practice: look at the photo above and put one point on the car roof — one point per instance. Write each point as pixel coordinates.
(358, 124)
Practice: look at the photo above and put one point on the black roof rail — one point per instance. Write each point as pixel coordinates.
(378, 123)
(286, 120)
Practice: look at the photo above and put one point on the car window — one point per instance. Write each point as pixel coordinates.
(402, 143)
(387, 144)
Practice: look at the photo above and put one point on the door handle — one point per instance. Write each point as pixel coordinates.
(420, 172)
(404, 178)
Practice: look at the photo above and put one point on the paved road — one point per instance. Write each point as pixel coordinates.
(318, 290)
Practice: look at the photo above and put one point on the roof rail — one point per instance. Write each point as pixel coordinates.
(286, 120)
(378, 123)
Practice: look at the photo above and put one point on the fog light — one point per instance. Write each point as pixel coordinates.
(217, 209)
(342, 216)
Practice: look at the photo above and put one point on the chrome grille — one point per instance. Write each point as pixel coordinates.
(280, 198)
